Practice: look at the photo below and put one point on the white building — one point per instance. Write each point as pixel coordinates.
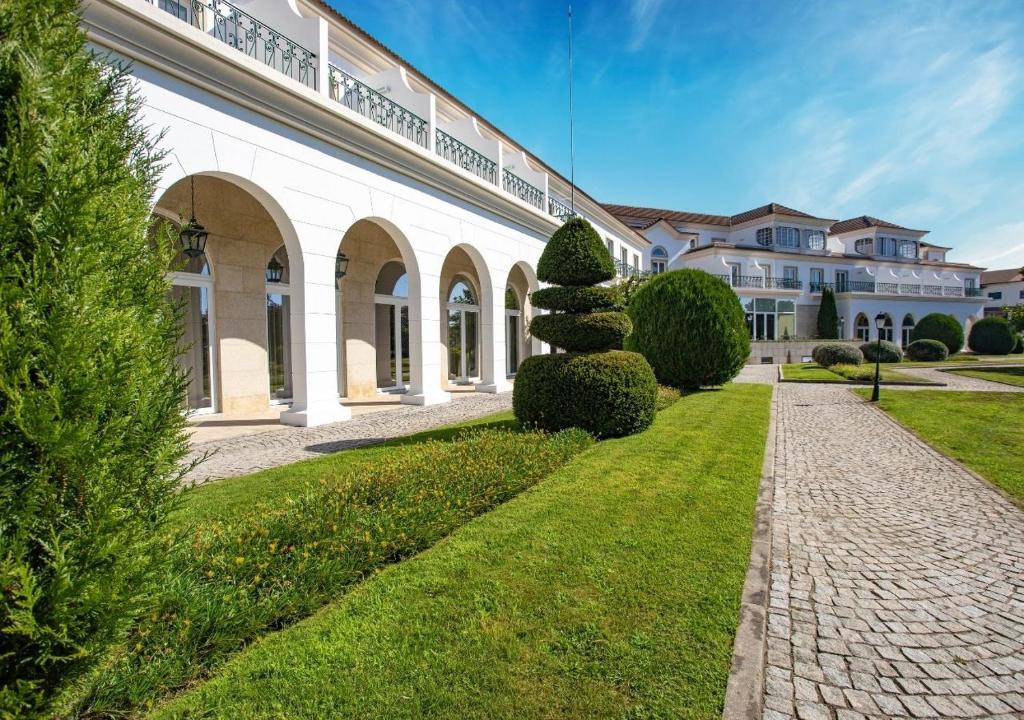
(1002, 288)
(367, 231)
(779, 260)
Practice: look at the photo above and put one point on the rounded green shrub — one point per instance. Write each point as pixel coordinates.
(609, 394)
(1018, 347)
(927, 351)
(582, 333)
(992, 336)
(885, 351)
(577, 299)
(829, 354)
(691, 328)
(575, 256)
(944, 328)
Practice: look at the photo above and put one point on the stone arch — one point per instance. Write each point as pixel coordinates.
(467, 332)
(862, 327)
(522, 281)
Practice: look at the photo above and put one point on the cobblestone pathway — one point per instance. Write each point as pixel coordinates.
(897, 583)
(955, 381)
(249, 453)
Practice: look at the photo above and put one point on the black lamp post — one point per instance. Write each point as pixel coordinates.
(275, 271)
(193, 235)
(340, 265)
(879, 324)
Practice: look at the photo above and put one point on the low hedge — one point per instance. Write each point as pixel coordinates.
(582, 333)
(927, 351)
(232, 581)
(854, 372)
(944, 328)
(609, 394)
(1018, 347)
(992, 336)
(596, 298)
(829, 354)
(887, 352)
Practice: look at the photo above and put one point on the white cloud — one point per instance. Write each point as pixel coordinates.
(1008, 242)
(642, 13)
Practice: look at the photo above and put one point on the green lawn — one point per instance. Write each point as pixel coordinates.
(983, 430)
(812, 372)
(1007, 375)
(610, 590)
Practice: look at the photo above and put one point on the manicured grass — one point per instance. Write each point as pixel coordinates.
(812, 372)
(610, 590)
(983, 430)
(962, 358)
(1007, 375)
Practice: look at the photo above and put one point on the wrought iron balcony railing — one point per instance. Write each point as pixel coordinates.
(371, 104)
(559, 209)
(857, 286)
(816, 287)
(515, 185)
(237, 28)
(784, 283)
(972, 292)
(465, 157)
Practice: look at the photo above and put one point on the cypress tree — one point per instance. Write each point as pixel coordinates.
(91, 429)
(828, 316)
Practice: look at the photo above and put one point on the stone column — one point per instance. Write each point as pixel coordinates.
(425, 348)
(493, 373)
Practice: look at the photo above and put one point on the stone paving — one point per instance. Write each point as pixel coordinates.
(955, 381)
(897, 582)
(249, 453)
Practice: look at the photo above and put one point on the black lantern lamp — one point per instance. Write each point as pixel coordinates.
(275, 271)
(340, 265)
(879, 324)
(193, 235)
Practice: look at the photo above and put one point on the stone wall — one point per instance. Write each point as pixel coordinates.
(781, 351)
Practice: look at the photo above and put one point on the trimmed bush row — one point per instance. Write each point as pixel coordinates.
(582, 333)
(854, 372)
(829, 354)
(927, 351)
(884, 351)
(944, 328)
(992, 336)
(231, 582)
(578, 299)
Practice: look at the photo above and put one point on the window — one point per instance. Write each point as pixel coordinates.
(659, 257)
(1021, 295)
(693, 243)
(865, 246)
(817, 279)
(886, 332)
(787, 237)
(611, 247)
(886, 247)
(998, 295)
(842, 280)
(790, 277)
(908, 330)
(908, 249)
(861, 328)
(815, 240)
(636, 263)
(769, 319)
(764, 236)
(624, 261)
(734, 274)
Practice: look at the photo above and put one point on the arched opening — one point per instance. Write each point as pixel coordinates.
(906, 336)
(463, 308)
(391, 314)
(886, 333)
(659, 259)
(279, 326)
(862, 328)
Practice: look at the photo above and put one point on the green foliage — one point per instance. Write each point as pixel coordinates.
(577, 299)
(992, 335)
(1018, 346)
(609, 394)
(828, 316)
(829, 354)
(944, 328)
(667, 397)
(854, 372)
(887, 352)
(582, 333)
(575, 256)
(234, 579)
(690, 327)
(626, 287)
(91, 430)
(927, 351)
(1015, 314)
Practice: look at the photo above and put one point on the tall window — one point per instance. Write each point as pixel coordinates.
(790, 277)
(764, 236)
(815, 240)
(787, 237)
(908, 249)
(624, 261)
(907, 329)
(659, 258)
(734, 274)
(769, 319)
(886, 332)
(463, 335)
(865, 246)
(513, 334)
(611, 247)
(279, 343)
(886, 247)
(636, 263)
(817, 279)
(862, 329)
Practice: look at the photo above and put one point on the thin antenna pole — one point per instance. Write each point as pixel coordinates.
(572, 140)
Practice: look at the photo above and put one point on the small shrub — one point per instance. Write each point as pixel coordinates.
(829, 354)
(609, 394)
(992, 336)
(691, 328)
(1018, 346)
(231, 581)
(927, 351)
(667, 397)
(944, 328)
(889, 353)
(854, 372)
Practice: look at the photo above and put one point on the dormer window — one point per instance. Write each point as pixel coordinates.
(865, 246)
(908, 249)
(815, 240)
(886, 247)
(787, 237)
(764, 236)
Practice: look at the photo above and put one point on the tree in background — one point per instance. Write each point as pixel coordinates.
(828, 316)
(91, 429)
(1015, 314)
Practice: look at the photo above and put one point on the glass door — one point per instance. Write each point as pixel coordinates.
(842, 280)
(196, 343)
(392, 340)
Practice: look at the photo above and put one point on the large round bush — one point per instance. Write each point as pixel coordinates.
(609, 394)
(887, 352)
(944, 328)
(829, 354)
(927, 351)
(992, 336)
(690, 327)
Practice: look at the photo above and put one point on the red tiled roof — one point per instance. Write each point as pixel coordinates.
(863, 223)
(628, 213)
(1002, 276)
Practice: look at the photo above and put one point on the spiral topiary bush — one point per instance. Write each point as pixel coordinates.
(594, 385)
(944, 328)
(829, 354)
(691, 328)
(927, 351)
(992, 336)
(889, 352)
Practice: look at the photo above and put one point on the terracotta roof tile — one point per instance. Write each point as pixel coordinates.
(1002, 276)
(632, 212)
(864, 222)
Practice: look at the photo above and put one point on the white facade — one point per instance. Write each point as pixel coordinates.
(374, 163)
(1002, 288)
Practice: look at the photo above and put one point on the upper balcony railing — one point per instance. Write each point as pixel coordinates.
(558, 209)
(465, 157)
(626, 270)
(515, 185)
(760, 282)
(891, 288)
(237, 28)
(369, 103)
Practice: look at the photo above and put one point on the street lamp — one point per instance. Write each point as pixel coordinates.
(879, 324)
(193, 235)
(275, 271)
(340, 265)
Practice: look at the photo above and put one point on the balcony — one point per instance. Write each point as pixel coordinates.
(759, 282)
(369, 103)
(465, 157)
(237, 28)
(890, 288)
(558, 209)
(515, 185)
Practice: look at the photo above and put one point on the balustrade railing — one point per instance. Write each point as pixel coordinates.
(933, 290)
(888, 288)
(465, 157)
(515, 185)
(237, 28)
(559, 209)
(373, 105)
(972, 292)
(817, 287)
(952, 291)
(784, 283)
(910, 289)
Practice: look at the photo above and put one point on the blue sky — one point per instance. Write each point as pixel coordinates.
(909, 111)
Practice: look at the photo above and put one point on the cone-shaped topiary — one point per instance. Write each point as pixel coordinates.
(609, 394)
(828, 315)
